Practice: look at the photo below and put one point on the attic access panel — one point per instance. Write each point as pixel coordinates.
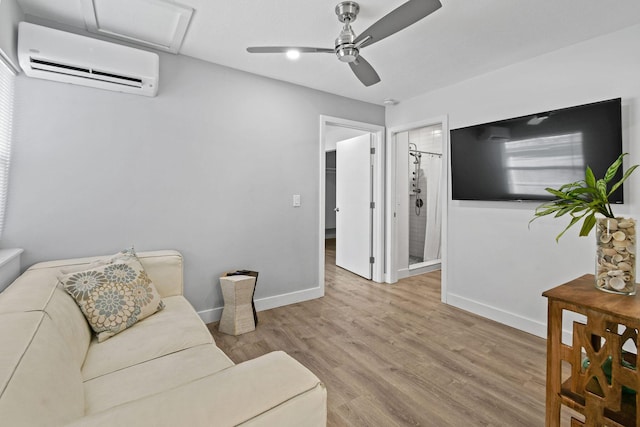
(158, 24)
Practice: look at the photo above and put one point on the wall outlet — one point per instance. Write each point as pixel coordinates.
(296, 200)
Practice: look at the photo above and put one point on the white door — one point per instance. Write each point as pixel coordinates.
(353, 205)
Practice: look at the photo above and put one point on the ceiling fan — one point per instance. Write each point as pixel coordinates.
(347, 45)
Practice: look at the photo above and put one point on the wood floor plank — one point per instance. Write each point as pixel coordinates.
(395, 355)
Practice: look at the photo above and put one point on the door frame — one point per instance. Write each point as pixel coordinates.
(378, 138)
(391, 236)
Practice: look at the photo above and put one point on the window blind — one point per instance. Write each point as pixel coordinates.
(6, 120)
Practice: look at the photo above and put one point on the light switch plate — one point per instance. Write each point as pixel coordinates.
(296, 200)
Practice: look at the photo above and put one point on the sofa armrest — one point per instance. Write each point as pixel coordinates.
(270, 390)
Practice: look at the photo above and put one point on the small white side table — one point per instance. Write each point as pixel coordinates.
(237, 314)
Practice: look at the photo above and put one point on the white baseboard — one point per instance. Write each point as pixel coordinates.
(290, 298)
(422, 268)
(516, 321)
(510, 319)
(403, 273)
(211, 315)
(214, 314)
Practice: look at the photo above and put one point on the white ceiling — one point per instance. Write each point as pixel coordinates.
(463, 39)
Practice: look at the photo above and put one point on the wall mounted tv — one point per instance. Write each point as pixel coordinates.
(516, 159)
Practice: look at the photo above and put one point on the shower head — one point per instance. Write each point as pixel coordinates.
(416, 157)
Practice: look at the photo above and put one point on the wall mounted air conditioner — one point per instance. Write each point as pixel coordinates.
(56, 55)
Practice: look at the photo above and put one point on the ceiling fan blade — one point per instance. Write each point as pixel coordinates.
(285, 49)
(396, 20)
(364, 71)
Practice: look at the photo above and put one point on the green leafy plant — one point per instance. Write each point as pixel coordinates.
(584, 199)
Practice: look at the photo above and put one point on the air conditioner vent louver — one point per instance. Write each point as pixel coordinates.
(116, 76)
(56, 55)
(87, 73)
(57, 65)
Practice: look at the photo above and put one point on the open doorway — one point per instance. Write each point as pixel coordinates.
(417, 188)
(418, 183)
(332, 131)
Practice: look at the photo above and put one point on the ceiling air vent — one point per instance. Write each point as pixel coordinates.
(160, 24)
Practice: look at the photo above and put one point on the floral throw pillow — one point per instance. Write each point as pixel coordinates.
(113, 295)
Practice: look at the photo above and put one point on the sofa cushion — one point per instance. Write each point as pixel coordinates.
(113, 294)
(148, 378)
(175, 328)
(40, 384)
(243, 393)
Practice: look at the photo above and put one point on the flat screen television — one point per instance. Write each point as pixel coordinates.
(516, 159)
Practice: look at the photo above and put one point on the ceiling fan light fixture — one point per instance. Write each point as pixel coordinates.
(347, 53)
(293, 54)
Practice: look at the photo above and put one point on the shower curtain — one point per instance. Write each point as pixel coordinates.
(432, 166)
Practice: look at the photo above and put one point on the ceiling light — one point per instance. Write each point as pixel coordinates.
(293, 54)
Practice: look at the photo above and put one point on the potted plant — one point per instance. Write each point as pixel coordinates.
(588, 200)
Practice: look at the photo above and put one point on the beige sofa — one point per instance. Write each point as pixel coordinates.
(163, 371)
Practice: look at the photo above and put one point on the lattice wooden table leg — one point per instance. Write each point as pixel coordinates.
(554, 365)
(594, 411)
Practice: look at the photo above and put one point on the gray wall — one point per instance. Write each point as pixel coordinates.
(208, 167)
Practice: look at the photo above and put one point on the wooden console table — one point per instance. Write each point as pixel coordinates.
(612, 320)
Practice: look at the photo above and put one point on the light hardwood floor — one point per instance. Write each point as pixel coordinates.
(394, 355)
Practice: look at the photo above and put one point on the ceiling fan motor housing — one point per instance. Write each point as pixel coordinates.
(345, 49)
